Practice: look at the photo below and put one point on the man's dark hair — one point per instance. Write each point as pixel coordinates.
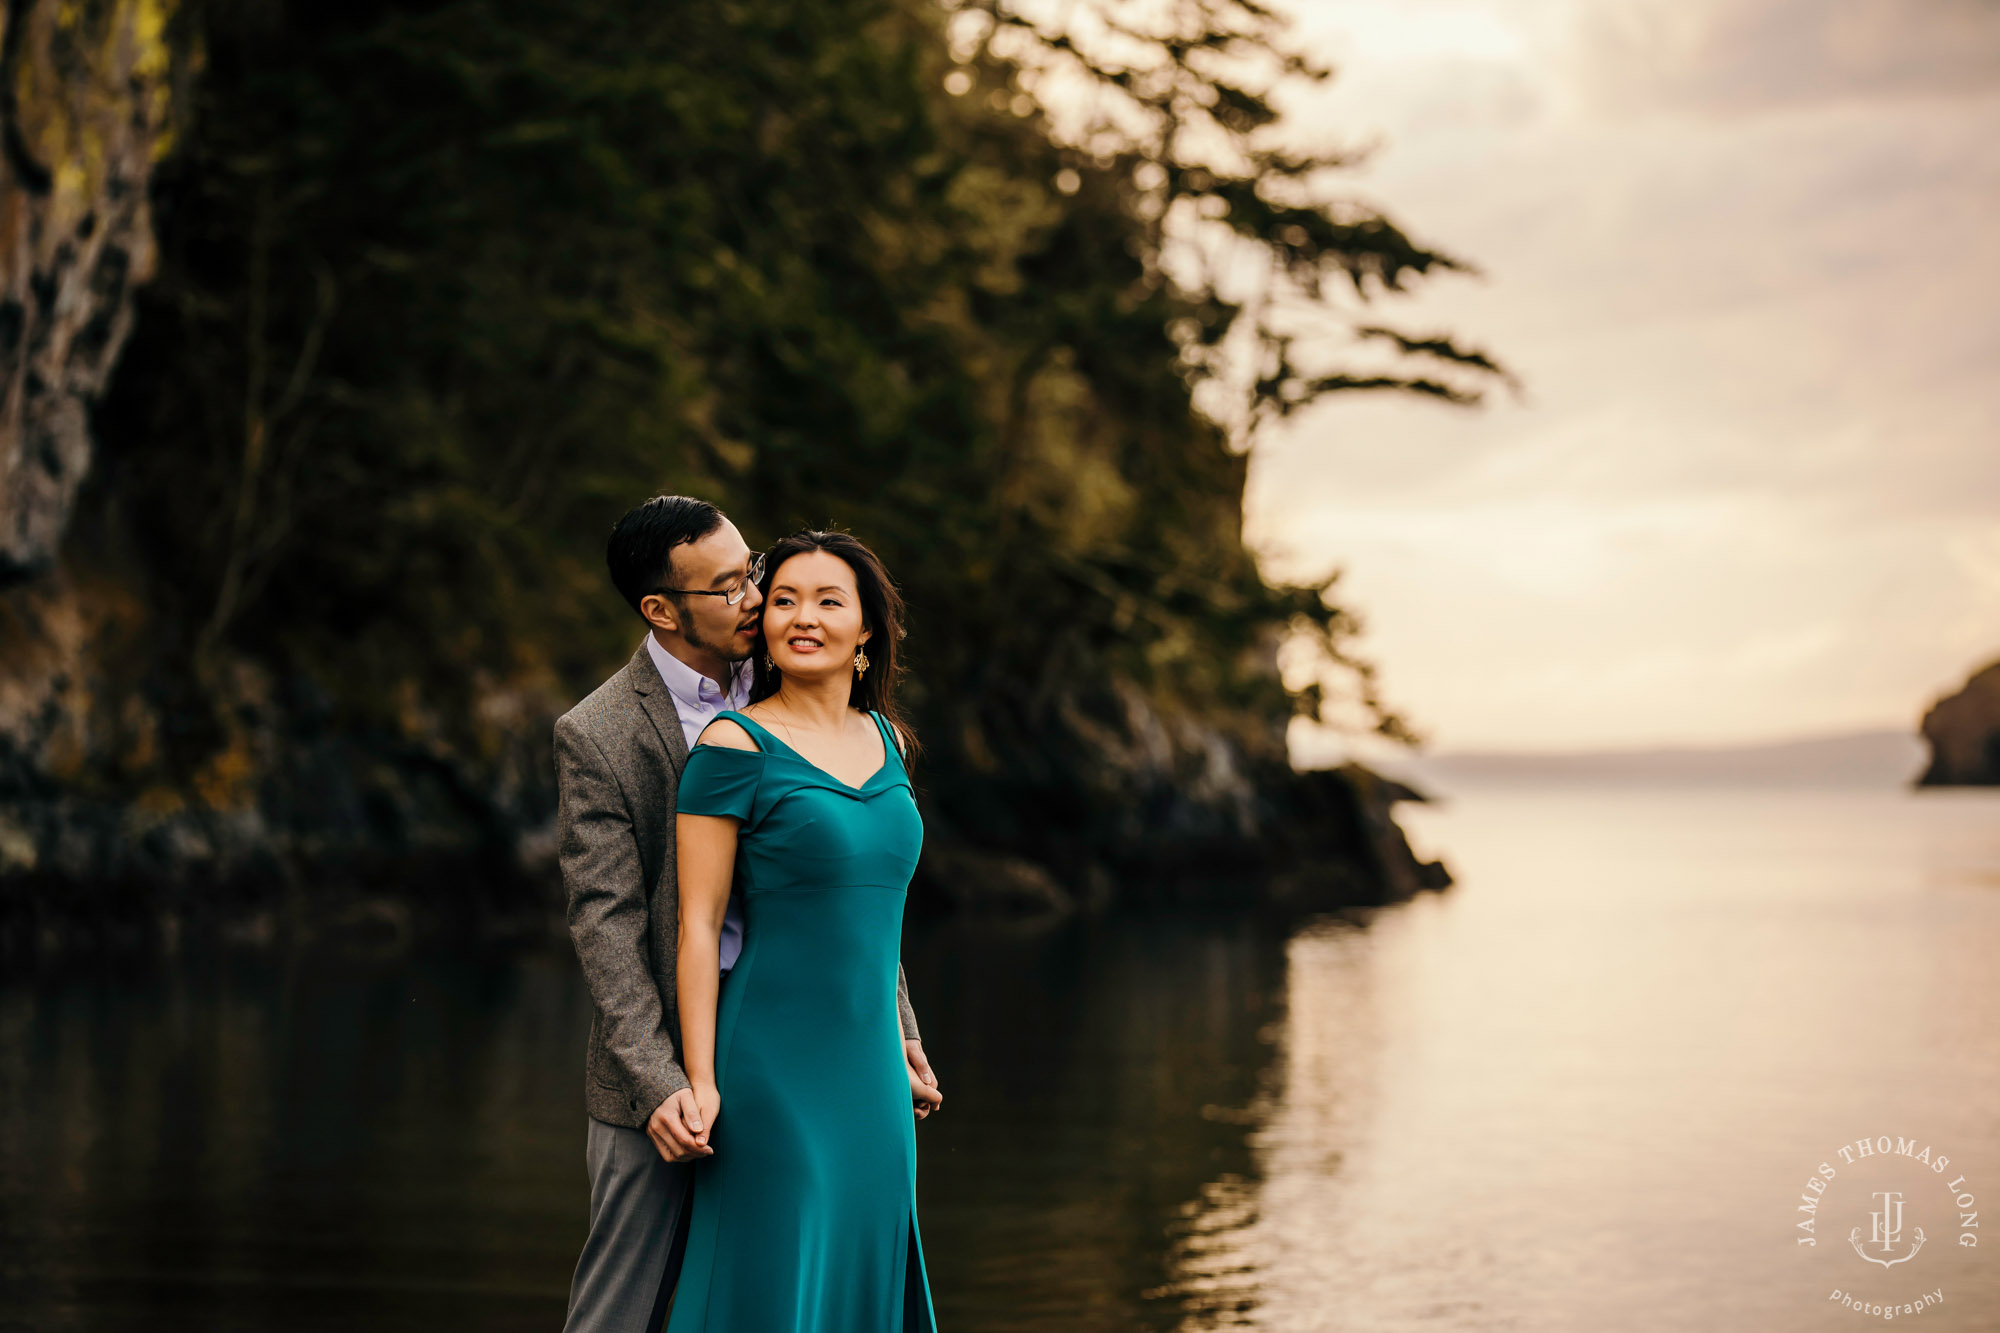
(641, 550)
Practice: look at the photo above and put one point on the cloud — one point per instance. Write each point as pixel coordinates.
(1750, 55)
(1741, 252)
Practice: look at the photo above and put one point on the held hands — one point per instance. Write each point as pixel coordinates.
(924, 1094)
(680, 1125)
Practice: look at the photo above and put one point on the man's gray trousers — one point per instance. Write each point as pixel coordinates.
(638, 1219)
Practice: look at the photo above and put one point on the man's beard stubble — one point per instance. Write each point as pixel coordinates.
(726, 650)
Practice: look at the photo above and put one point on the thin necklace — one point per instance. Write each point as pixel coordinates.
(786, 729)
(781, 726)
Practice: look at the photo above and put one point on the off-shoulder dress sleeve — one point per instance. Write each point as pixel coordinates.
(720, 781)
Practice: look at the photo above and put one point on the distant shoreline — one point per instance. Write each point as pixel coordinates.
(1877, 759)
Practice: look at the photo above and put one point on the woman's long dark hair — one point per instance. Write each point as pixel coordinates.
(881, 613)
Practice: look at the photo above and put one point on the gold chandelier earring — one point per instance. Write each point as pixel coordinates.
(860, 664)
(769, 665)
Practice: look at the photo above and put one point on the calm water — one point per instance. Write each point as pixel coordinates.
(1580, 1090)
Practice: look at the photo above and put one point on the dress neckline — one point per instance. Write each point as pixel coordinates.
(765, 733)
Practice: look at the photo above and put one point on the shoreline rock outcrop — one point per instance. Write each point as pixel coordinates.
(1963, 730)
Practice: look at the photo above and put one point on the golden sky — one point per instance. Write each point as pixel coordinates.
(1745, 258)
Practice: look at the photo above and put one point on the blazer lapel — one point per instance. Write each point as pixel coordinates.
(658, 704)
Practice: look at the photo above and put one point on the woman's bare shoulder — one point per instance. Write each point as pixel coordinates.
(727, 733)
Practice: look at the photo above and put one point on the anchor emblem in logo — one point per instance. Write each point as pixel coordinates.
(1887, 1232)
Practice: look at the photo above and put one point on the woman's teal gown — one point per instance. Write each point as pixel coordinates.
(805, 1219)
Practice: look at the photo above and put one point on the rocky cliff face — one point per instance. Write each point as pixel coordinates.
(84, 114)
(84, 101)
(1964, 734)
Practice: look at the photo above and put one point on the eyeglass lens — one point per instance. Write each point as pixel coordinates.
(742, 588)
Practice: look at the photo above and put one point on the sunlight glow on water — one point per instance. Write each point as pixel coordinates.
(1582, 1089)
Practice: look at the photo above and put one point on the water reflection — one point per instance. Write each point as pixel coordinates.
(1099, 1075)
(242, 1142)
(1577, 1092)
(1581, 1090)
(1251, 1243)
(322, 1141)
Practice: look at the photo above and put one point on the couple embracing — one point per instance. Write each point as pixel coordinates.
(737, 834)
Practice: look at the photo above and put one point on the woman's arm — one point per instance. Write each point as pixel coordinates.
(706, 855)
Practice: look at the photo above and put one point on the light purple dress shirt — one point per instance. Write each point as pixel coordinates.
(697, 700)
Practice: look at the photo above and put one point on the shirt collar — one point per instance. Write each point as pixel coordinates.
(694, 689)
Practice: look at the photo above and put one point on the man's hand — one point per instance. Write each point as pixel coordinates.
(924, 1094)
(679, 1129)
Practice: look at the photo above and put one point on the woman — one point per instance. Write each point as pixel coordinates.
(804, 1213)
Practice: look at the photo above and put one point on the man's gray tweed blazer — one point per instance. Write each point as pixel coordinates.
(619, 756)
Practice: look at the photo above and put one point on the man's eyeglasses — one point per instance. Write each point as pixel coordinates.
(735, 592)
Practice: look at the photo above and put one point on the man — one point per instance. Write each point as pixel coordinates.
(687, 572)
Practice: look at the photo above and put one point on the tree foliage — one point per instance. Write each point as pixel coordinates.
(446, 286)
